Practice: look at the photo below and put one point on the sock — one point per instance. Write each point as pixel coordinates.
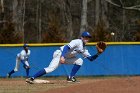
(10, 73)
(74, 70)
(27, 72)
(40, 73)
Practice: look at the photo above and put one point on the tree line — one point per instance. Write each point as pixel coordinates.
(51, 21)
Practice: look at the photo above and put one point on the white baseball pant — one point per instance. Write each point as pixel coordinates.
(56, 61)
(18, 63)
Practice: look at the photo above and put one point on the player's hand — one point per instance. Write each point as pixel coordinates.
(62, 60)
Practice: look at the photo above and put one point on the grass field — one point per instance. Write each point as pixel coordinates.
(18, 85)
(97, 84)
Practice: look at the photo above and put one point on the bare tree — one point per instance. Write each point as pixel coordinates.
(83, 16)
(2, 14)
(15, 14)
(104, 11)
(19, 16)
(38, 19)
(2, 6)
(135, 7)
(97, 9)
(69, 20)
(23, 18)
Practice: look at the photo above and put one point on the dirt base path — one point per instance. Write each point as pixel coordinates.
(113, 85)
(86, 85)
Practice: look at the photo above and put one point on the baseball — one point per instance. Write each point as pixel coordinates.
(112, 33)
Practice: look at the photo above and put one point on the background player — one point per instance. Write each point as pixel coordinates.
(22, 57)
(67, 54)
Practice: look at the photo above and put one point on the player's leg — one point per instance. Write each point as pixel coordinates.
(15, 69)
(77, 64)
(27, 67)
(53, 65)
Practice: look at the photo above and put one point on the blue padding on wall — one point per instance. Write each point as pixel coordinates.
(116, 60)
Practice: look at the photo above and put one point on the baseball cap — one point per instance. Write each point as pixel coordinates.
(86, 34)
(25, 45)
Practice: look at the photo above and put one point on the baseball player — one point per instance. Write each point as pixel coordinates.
(67, 54)
(22, 57)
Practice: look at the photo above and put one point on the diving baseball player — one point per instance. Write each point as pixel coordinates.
(22, 57)
(67, 54)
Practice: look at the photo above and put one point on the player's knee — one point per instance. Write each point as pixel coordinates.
(79, 62)
(26, 67)
(49, 69)
(15, 70)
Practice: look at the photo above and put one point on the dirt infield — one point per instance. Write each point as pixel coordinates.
(115, 85)
(87, 85)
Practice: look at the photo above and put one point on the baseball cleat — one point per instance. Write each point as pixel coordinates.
(8, 75)
(30, 80)
(72, 79)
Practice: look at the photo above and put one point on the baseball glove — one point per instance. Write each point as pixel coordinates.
(101, 46)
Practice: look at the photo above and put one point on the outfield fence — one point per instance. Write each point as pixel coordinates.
(119, 58)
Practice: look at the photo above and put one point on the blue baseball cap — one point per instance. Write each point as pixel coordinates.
(25, 45)
(86, 34)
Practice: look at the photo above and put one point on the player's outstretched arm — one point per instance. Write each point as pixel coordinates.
(100, 46)
(93, 57)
